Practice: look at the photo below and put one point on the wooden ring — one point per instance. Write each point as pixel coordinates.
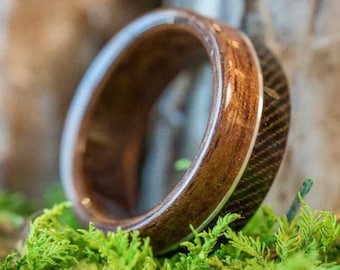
(240, 152)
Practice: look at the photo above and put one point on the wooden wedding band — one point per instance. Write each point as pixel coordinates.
(241, 149)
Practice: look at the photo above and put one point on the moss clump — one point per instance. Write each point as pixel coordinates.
(309, 241)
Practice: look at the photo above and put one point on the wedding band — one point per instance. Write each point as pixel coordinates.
(239, 155)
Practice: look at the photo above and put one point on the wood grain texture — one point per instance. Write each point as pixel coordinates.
(103, 137)
(271, 141)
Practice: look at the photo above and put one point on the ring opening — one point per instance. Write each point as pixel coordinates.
(119, 165)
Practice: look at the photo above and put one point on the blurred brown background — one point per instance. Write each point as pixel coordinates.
(45, 46)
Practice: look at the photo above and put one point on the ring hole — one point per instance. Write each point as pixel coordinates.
(177, 123)
(125, 127)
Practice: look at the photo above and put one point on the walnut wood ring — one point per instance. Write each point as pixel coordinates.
(240, 152)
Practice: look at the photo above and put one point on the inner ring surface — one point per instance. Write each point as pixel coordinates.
(117, 117)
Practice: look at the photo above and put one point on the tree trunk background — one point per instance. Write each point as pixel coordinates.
(304, 34)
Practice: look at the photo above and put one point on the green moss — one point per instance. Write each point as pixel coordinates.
(309, 241)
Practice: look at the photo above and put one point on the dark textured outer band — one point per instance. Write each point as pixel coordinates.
(270, 143)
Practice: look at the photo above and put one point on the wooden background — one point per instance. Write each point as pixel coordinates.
(304, 34)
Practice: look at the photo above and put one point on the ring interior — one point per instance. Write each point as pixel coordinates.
(115, 123)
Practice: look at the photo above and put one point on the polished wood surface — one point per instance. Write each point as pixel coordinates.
(240, 152)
